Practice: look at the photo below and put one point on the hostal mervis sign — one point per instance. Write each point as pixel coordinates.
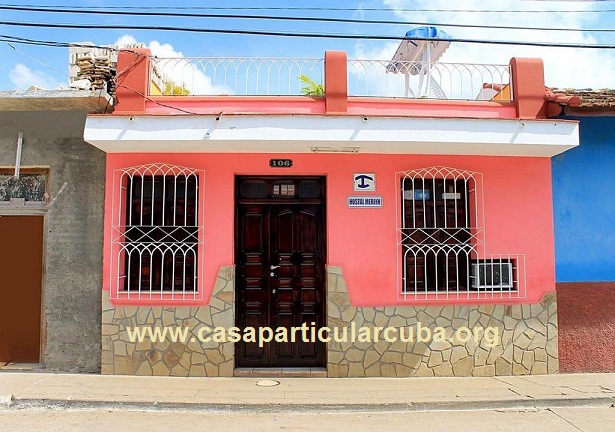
(366, 201)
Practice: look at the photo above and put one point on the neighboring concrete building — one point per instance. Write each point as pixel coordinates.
(243, 204)
(584, 203)
(50, 230)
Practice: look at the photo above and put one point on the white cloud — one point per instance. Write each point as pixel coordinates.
(22, 77)
(126, 40)
(177, 69)
(564, 67)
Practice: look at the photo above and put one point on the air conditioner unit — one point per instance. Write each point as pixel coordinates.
(492, 275)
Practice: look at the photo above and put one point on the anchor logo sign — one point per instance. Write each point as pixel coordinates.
(365, 182)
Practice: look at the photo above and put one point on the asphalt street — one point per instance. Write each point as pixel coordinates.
(560, 420)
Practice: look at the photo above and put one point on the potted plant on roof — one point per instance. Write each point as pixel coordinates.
(310, 87)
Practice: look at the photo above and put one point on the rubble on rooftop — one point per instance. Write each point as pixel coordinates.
(94, 67)
(95, 73)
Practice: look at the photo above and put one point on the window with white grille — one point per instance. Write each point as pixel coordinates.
(442, 240)
(157, 233)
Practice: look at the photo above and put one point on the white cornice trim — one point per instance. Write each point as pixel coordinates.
(301, 133)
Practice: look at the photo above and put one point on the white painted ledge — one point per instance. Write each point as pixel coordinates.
(301, 133)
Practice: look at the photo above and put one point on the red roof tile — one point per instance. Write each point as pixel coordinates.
(589, 98)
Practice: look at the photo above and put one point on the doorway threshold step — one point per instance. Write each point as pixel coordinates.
(21, 367)
(286, 372)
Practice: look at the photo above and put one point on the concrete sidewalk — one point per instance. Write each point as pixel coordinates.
(20, 390)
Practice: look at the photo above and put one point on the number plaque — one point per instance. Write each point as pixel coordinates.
(280, 163)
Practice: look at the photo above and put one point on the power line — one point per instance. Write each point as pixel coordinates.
(8, 38)
(160, 103)
(293, 18)
(26, 41)
(328, 9)
(64, 74)
(56, 44)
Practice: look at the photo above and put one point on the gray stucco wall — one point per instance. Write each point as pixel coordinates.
(73, 231)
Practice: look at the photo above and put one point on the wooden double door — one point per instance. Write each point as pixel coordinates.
(280, 268)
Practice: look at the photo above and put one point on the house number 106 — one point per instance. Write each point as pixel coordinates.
(281, 163)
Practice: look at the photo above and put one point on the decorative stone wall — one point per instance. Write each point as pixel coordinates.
(192, 358)
(528, 338)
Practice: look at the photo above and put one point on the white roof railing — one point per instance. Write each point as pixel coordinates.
(416, 56)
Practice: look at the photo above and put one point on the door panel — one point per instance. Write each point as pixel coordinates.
(296, 231)
(280, 279)
(21, 261)
(253, 296)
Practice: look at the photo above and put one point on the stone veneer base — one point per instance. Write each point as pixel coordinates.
(528, 338)
(194, 358)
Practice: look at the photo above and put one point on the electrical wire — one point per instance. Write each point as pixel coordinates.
(56, 44)
(64, 74)
(158, 102)
(324, 9)
(302, 35)
(295, 18)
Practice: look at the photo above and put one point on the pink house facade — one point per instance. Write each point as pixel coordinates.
(334, 211)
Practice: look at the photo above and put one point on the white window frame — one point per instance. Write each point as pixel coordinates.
(122, 248)
(474, 248)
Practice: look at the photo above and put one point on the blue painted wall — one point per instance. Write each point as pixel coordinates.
(584, 204)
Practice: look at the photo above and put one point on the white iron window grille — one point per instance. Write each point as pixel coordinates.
(157, 233)
(441, 238)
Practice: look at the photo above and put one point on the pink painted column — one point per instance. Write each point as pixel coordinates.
(132, 81)
(528, 84)
(336, 82)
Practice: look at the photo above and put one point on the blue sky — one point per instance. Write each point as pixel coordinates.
(48, 67)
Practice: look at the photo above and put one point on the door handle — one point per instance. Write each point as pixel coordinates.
(273, 267)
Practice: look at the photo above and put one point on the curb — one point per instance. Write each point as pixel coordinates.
(490, 405)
